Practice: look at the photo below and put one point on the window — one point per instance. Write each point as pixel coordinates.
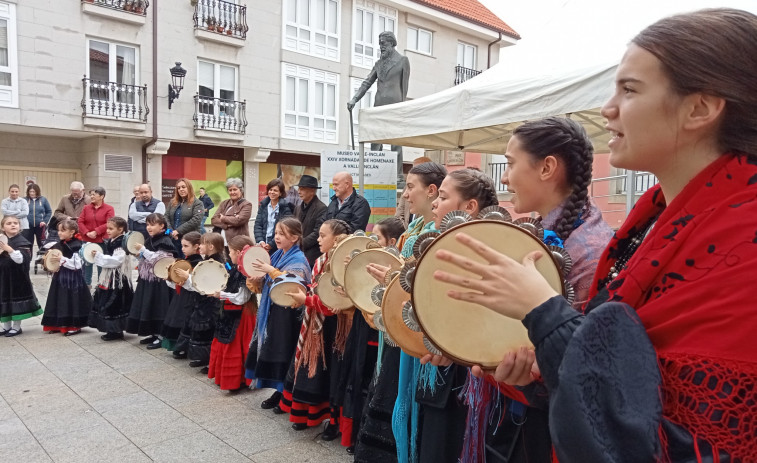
(466, 55)
(8, 57)
(309, 99)
(419, 40)
(312, 27)
(217, 89)
(112, 70)
(370, 19)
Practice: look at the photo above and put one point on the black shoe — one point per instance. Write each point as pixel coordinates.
(179, 354)
(299, 426)
(272, 401)
(277, 410)
(112, 336)
(148, 340)
(72, 332)
(351, 450)
(331, 432)
(13, 332)
(198, 363)
(157, 344)
(204, 370)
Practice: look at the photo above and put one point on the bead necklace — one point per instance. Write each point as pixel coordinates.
(635, 242)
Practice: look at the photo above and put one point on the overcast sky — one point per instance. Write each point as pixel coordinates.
(575, 32)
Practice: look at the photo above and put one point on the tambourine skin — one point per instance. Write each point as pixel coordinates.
(160, 269)
(85, 252)
(343, 250)
(284, 284)
(131, 239)
(47, 260)
(411, 342)
(209, 277)
(358, 283)
(4, 240)
(471, 334)
(249, 255)
(178, 264)
(328, 296)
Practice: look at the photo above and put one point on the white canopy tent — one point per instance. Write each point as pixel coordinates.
(480, 114)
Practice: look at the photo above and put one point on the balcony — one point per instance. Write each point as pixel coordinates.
(496, 170)
(219, 118)
(129, 11)
(220, 21)
(114, 105)
(462, 74)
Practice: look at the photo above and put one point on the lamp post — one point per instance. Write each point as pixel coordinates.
(177, 82)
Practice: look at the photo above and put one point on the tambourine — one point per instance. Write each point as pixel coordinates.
(364, 291)
(131, 239)
(348, 247)
(250, 255)
(160, 269)
(173, 275)
(209, 277)
(88, 251)
(471, 334)
(4, 240)
(399, 320)
(325, 289)
(51, 260)
(284, 284)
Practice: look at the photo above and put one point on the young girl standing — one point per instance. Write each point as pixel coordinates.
(68, 300)
(197, 334)
(114, 294)
(17, 298)
(275, 338)
(183, 302)
(235, 325)
(152, 297)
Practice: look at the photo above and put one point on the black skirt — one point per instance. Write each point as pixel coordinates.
(315, 390)
(149, 307)
(197, 334)
(277, 351)
(69, 301)
(17, 298)
(111, 307)
(178, 313)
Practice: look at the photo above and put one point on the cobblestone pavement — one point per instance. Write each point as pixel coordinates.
(82, 399)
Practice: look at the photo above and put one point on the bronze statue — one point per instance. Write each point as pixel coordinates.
(392, 71)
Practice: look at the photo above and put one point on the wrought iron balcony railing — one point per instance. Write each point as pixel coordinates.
(132, 6)
(496, 171)
(221, 17)
(111, 99)
(220, 114)
(462, 74)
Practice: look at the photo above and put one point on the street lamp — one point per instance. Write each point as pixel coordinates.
(177, 82)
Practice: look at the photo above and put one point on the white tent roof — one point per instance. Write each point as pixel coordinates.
(480, 114)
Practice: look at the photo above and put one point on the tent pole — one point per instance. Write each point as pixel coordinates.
(361, 171)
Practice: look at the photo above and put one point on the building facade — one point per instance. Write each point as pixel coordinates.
(84, 84)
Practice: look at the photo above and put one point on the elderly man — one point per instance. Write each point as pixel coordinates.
(347, 205)
(312, 213)
(143, 206)
(71, 205)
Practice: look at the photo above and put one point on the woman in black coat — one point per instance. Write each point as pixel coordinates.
(271, 210)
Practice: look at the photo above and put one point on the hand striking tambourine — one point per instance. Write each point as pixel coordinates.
(250, 255)
(51, 260)
(325, 289)
(209, 277)
(364, 291)
(88, 251)
(467, 333)
(179, 264)
(283, 284)
(130, 241)
(349, 247)
(160, 269)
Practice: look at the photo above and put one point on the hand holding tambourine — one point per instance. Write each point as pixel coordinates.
(139, 246)
(516, 368)
(378, 272)
(183, 274)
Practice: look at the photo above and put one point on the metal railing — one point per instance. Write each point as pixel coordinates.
(496, 170)
(221, 17)
(111, 99)
(616, 192)
(462, 74)
(220, 114)
(132, 6)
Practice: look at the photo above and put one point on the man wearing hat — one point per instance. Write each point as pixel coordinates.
(312, 213)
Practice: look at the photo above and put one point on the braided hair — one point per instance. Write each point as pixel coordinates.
(471, 183)
(338, 227)
(566, 140)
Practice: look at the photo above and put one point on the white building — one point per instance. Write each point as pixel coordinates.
(84, 84)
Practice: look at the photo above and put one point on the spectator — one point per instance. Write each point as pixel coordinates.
(70, 206)
(183, 213)
(233, 215)
(403, 211)
(208, 204)
(39, 214)
(271, 210)
(142, 207)
(346, 204)
(15, 206)
(135, 190)
(312, 213)
(93, 223)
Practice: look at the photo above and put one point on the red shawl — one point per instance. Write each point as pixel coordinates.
(692, 282)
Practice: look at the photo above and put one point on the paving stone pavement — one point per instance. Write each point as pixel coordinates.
(81, 399)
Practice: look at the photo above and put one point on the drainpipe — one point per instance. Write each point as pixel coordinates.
(489, 51)
(154, 90)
